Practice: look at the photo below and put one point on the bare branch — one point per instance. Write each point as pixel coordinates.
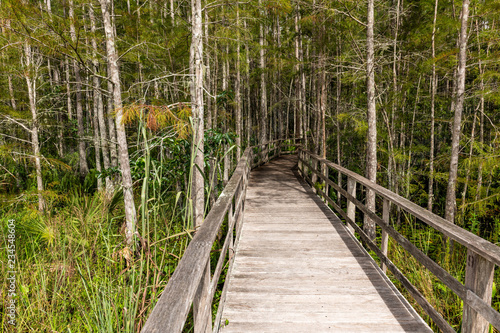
(17, 122)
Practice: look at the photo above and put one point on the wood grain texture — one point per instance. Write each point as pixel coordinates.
(298, 269)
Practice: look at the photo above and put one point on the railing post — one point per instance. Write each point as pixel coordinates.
(201, 304)
(385, 236)
(230, 218)
(479, 279)
(314, 176)
(213, 181)
(242, 206)
(300, 165)
(307, 158)
(325, 184)
(339, 183)
(351, 208)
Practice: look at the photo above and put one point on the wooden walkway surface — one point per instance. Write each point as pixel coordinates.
(298, 269)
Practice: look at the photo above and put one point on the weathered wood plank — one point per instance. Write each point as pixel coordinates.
(296, 263)
(273, 327)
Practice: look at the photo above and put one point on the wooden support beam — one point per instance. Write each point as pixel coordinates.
(201, 304)
(385, 236)
(351, 207)
(479, 279)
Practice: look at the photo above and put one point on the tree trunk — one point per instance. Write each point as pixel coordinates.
(113, 151)
(196, 67)
(68, 88)
(172, 12)
(469, 165)
(237, 87)
(481, 125)
(97, 145)
(11, 94)
(457, 121)
(371, 148)
(408, 169)
(114, 74)
(322, 96)
(278, 80)
(263, 91)
(298, 71)
(337, 113)
(208, 79)
(98, 103)
(31, 83)
(82, 156)
(433, 99)
(248, 92)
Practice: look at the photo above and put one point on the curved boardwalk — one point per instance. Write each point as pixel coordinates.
(298, 269)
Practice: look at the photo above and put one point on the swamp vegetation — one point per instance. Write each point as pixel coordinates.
(121, 122)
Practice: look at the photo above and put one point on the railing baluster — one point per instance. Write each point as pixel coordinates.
(351, 208)
(325, 184)
(314, 177)
(339, 182)
(300, 164)
(385, 236)
(479, 279)
(201, 303)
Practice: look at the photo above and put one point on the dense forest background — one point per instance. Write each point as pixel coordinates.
(98, 116)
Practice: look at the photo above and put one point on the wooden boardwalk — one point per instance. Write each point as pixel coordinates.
(298, 269)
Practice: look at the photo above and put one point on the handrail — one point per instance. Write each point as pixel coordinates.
(192, 282)
(482, 256)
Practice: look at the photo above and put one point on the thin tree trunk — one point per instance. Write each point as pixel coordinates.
(298, 71)
(172, 12)
(97, 145)
(322, 96)
(248, 92)
(337, 113)
(289, 99)
(395, 93)
(469, 164)
(196, 67)
(481, 124)
(278, 80)
(113, 150)
(225, 74)
(208, 78)
(237, 87)
(98, 103)
(68, 88)
(114, 74)
(433, 99)
(303, 111)
(82, 156)
(11, 94)
(215, 122)
(263, 90)
(371, 149)
(31, 83)
(408, 169)
(457, 121)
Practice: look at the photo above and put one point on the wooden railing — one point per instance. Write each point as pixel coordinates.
(193, 283)
(482, 256)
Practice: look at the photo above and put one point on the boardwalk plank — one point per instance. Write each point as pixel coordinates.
(298, 269)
